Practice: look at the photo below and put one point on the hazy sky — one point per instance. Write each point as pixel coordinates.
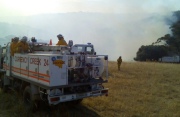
(122, 36)
(30, 7)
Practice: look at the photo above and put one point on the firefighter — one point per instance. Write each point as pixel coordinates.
(119, 61)
(12, 40)
(22, 46)
(61, 40)
(14, 45)
(33, 39)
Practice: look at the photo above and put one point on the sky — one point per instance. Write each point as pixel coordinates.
(30, 7)
(124, 37)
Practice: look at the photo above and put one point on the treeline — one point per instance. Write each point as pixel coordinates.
(168, 45)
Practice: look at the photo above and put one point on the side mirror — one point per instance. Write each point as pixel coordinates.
(106, 58)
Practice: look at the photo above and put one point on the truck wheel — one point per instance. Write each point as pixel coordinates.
(79, 101)
(76, 102)
(73, 103)
(30, 104)
(2, 86)
(1, 83)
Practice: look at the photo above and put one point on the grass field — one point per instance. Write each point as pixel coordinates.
(140, 89)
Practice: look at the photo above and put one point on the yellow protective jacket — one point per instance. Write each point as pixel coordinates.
(119, 60)
(13, 47)
(22, 47)
(62, 42)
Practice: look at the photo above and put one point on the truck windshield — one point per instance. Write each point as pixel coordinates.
(80, 48)
(89, 50)
(83, 48)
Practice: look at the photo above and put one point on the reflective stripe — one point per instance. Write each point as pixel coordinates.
(32, 74)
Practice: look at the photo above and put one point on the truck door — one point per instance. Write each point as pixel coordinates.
(58, 70)
(89, 50)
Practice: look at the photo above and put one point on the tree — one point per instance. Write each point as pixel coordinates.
(151, 52)
(170, 43)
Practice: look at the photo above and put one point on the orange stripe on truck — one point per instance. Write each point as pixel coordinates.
(32, 74)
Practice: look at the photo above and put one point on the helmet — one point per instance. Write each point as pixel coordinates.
(59, 36)
(24, 39)
(16, 39)
(12, 39)
(33, 38)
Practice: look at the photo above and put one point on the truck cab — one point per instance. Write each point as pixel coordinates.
(83, 48)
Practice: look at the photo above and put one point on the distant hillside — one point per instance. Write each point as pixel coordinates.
(8, 31)
(6, 39)
(13, 29)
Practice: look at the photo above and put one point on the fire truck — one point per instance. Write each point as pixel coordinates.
(54, 74)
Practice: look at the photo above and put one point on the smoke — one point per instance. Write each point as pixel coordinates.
(112, 34)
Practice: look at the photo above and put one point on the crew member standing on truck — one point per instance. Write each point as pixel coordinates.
(22, 46)
(61, 40)
(12, 41)
(14, 45)
(119, 61)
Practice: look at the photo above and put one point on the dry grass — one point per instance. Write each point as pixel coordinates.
(138, 90)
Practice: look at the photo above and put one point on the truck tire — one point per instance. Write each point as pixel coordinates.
(76, 102)
(2, 86)
(30, 104)
(1, 83)
(79, 101)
